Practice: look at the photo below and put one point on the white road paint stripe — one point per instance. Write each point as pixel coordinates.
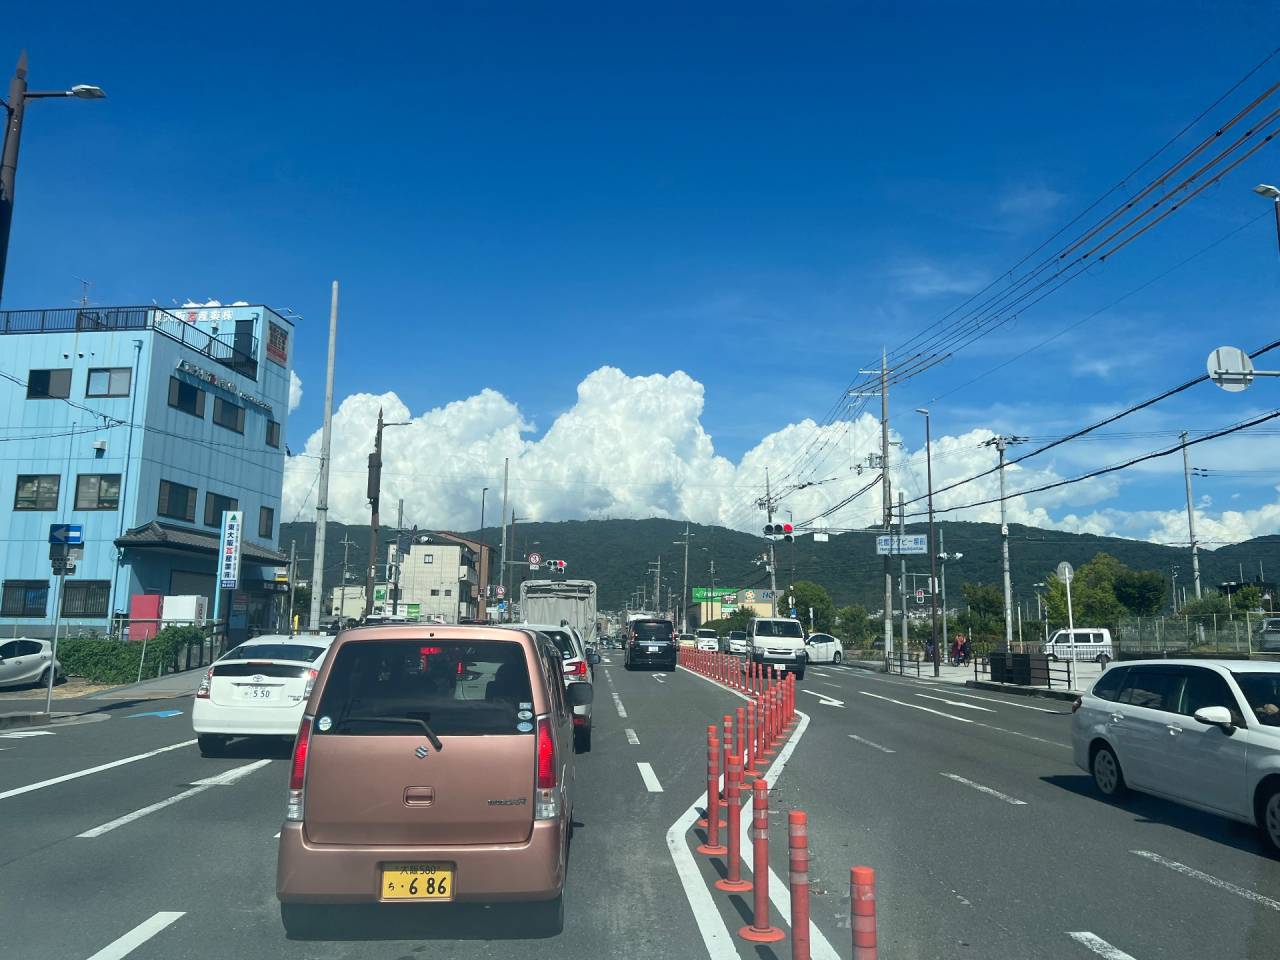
(608, 679)
(1195, 874)
(956, 703)
(824, 699)
(827, 683)
(649, 777)
(1099, 946)
(870, 744)
(659, 677)
(23, 734)
(617, 702)
(818, 673)
(18, 791)
(1004, 703)
(916, 706)
(137, 936)
(276, 837)
(200, 786)
(987, 790)
(632, 738)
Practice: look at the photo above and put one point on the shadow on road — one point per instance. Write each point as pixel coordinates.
(433, 922)
(1153, 810)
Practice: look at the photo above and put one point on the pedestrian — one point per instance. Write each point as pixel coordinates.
(955, 650)
(964, 650)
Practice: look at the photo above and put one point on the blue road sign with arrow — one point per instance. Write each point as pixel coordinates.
(68, 533)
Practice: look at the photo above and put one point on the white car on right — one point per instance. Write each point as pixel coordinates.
(823, 648)
(1203, 733)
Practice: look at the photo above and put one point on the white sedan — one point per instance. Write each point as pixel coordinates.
(24, 661)
(258, 689)
(823, 648)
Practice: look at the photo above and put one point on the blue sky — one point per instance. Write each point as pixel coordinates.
(756, 197)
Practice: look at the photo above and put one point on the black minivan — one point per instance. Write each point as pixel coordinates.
(650, 643)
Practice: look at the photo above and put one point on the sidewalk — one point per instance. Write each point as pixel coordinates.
(169, 685)
(30, 712)
(1083, 676)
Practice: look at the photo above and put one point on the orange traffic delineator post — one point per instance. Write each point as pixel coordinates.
(798, 853)
(862, 907)
(739, 734)
(753, 724)
(733, 882)
(726, 751)
(712, 821)
(759, 930)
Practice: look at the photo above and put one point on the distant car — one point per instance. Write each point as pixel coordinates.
(737, 641)
(709, 641)
(579, 667)
(24, 661)
(1269, 636)
(686, 639)
(258, 689)
(651, 642)
(1082, 643)
(1204, 733)
(823, 648)
(778, 642)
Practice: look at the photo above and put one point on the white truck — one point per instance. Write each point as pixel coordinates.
(571, 602)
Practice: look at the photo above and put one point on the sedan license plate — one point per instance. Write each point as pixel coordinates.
(652, 649)
(255, 693)
(417, 881)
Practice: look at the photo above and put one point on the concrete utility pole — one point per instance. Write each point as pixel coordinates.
(684, 600)
(502, 554)
(293, 563)
(902, 534)
(1191, 516)
(933, 546)
(322, 491)
(347, 544)
(773, 576)
(395, 596)
(374, 494)
(1001, 443)
(888, 504)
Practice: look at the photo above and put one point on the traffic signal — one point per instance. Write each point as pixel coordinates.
(788, 532)
(784, 530)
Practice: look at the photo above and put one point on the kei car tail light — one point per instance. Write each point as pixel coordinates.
(298, 771)
(202, 692)
(578, 669)
(547, 803)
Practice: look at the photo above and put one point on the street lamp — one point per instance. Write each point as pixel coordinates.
(933, 554)
(1273, 194)
(16, 107)
(374, 496)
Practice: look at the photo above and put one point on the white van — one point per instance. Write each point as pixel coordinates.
(778, 642)
(1082, 643)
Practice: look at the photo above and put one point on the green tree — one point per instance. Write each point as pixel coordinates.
(1141, 592)
(1248, 597)
(1209, 603)
(853, 622)
(1093, 594)
(740, 619)
(809, 594)
(984, 612)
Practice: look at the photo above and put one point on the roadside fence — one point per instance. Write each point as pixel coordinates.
(1025, 669)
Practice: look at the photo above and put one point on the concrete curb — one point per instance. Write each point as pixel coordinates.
(1023, 691)
(23, 720)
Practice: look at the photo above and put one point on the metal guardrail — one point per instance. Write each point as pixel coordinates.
(1025, 669)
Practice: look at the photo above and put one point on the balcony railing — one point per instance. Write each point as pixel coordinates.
(240, 354)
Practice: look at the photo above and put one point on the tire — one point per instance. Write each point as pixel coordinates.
(671, 669)
(546, 919)
(1267, 815)
(302, 921)
(582, 740)
(43, 682)
(1107, 775)
(836, 657)
(799, 675)
(213, 745)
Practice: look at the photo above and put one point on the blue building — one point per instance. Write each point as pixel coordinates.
(142, 424)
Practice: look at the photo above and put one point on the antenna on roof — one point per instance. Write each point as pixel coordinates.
(84, 291)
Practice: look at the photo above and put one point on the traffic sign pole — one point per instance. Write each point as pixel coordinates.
(57, 624)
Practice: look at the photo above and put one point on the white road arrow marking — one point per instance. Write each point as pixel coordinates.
(824, 699)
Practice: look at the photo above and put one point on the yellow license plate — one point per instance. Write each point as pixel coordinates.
(412, 881)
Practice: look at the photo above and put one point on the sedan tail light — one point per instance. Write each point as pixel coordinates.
(202, 692)
(298, 771)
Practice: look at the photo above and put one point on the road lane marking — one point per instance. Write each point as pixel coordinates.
(617, 702)
(827, 683)
(817, 673)
(1099, 946)
(137, 936)
(200, 786)
(956, 703)
(649, 777)
(824, 699)
(632, 738)
(916, 706)
(870, 744)
(1006, 703)
(659, 677)
(1195, 874)
(987, 790)
(18, 791)
(23, 734)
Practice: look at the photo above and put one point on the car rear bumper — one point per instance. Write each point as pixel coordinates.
(333, 873)
(209, 717)
(643, 658)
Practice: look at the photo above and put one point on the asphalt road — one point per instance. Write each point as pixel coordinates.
(913, 778)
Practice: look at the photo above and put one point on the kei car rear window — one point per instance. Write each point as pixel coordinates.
(457, 688)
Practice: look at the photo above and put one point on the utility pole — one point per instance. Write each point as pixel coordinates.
(293, 563)
(773, 576)
(933, 547)
(347, 544)
(902, 533)
(888, 505)
(684, 600)
(711, 604)
(502, 556)
(374, 494)
(395, 596)
(1001, 443)
(1191, 516)
(322, 491)
(514, 549)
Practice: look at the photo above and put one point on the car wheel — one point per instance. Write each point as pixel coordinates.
(1107, 775)
(582, 740)
(212, 745)
(836, 657)
(301, 920)
(44, 678)
(1268, 817)
(799, 674)
(546, 919)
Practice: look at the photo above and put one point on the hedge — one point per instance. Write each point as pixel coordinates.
(115, 661)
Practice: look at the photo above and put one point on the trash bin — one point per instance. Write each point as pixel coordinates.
(1020, 668)
(1038, 670)
(999, 667)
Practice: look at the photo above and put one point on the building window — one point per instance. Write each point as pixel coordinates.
(37, 491)
(228, 415)
(214, 504)
(185, 397)
(435, 593)
(277, 344)
(273, 433)
(448, 593)
(109, 382)
(85, 598)
(25, 598)
(428, 558)
(49, 384)
(266, 523)
(177, 501)
(98, 491)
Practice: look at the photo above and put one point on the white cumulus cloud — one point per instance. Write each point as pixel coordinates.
(295, 390)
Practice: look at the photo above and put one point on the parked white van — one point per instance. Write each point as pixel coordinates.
(1082, 643)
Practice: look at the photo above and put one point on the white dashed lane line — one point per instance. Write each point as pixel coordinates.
(956, 703)
(649, 777)
(137, 936)
(1013, 801)
(1195, 874)
(18, 791)
(875, 746)
(632, 738)
(1099, 946)
(617, 702)
(916, 706)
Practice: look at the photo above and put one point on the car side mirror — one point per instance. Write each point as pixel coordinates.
(579, 694)
(1215, 717)
(593, 658)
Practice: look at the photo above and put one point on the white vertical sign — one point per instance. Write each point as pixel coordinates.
(229, 550)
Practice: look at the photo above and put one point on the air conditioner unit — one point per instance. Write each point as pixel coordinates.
(100, 445)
